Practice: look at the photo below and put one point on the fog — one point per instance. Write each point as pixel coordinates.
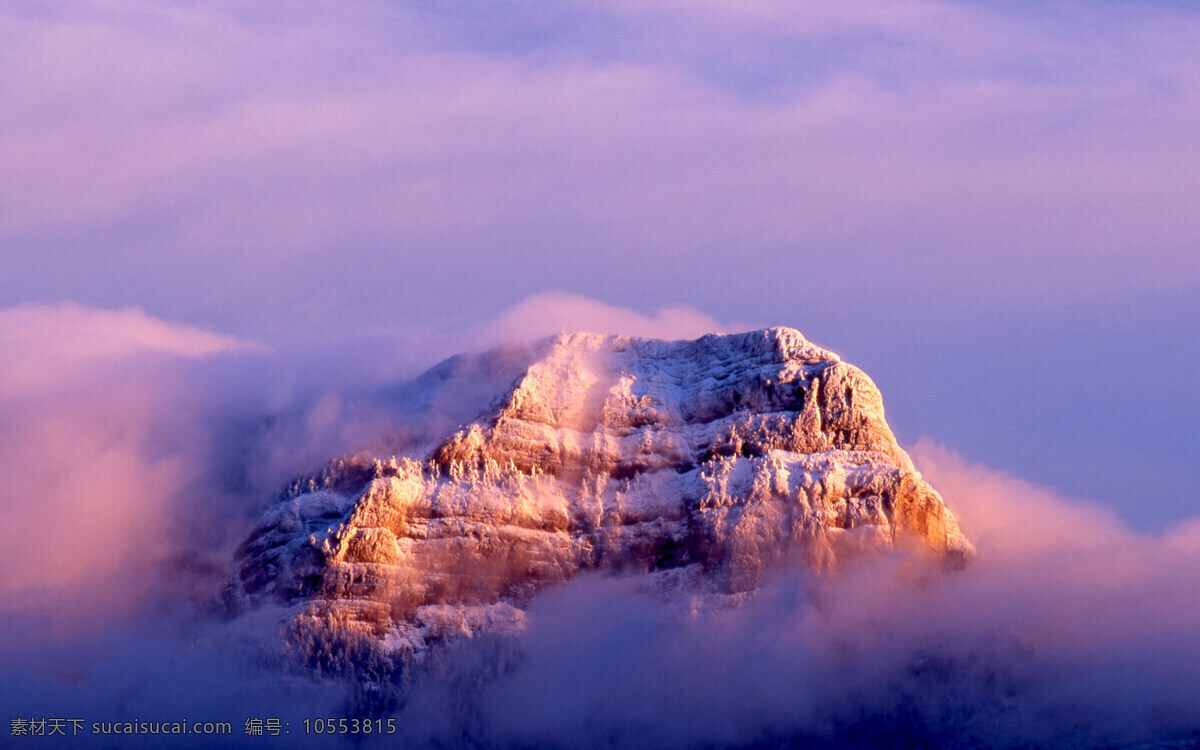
(136, 452)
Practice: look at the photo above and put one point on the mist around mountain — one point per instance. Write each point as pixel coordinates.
(135, 467)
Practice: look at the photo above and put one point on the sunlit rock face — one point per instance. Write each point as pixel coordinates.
(704, 462)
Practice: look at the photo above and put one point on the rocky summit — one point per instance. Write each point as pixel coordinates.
(705, 463)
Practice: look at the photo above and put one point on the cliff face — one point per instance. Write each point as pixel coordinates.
(706, 462)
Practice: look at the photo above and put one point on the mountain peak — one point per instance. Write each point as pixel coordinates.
(710, 461)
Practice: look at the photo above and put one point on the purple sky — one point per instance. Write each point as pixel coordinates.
(991, 208)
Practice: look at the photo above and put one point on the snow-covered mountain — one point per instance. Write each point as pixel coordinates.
(704, 463)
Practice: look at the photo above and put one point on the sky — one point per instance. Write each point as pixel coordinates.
(214, 211)
(990, 207)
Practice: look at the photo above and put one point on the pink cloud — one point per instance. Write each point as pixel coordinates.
(551, 313)
(99, 434)
(1078, 571)
(56, 346)
(1014, 519)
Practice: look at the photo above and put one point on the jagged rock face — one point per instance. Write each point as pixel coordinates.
(705, 461)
